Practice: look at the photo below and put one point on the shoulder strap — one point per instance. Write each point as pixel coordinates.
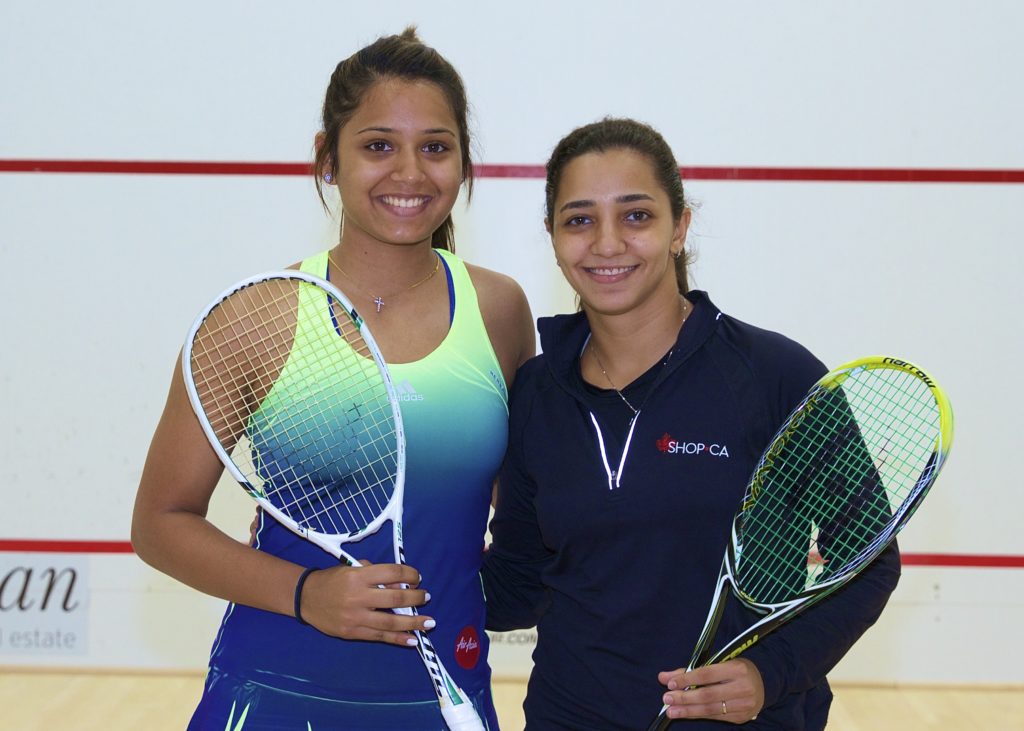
(315, 265)
(468, 329)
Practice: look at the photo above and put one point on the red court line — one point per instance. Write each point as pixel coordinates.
(962, 560)
(856, 175)
(945, 560)
(792, 174)
(154, 167)
(46, 546)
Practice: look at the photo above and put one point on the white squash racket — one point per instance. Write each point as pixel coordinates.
(293, 394)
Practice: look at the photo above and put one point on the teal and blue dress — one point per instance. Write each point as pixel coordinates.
(269, 671)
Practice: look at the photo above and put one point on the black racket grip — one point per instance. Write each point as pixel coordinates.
(661, 723)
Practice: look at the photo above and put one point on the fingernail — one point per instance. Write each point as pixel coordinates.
(430, 624)
(672, 685)
(667, 700)
(411, 642)
(428, 597)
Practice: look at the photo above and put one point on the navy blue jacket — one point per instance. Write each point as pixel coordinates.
(615, 560)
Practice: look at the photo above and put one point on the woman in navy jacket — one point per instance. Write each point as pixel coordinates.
(631, 440)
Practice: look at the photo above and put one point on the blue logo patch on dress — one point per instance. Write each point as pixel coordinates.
(499, 382)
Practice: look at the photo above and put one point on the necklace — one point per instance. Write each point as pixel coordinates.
(608, 378)
(377, 299)
(593, 349)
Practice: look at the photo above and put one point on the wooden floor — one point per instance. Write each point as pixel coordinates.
(45, 701)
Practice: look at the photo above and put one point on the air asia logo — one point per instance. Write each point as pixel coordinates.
(668, 445)
(406, 392)
(467, 648)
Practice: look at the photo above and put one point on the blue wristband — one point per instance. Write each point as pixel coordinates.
(298, 594)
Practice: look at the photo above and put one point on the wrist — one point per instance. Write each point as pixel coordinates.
(298, 593)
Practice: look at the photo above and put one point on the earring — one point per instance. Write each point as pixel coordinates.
(677, 254)
(328, 177)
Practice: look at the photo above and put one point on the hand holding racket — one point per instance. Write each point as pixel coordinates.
(842, 476)
(294, 396)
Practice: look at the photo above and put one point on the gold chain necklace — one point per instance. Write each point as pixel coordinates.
(377, 299)
(593, 349)
(608, 378)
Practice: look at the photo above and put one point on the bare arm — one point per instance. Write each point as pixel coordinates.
(169, 526)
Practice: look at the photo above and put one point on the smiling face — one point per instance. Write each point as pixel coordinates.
(399, 165)
(614, 232)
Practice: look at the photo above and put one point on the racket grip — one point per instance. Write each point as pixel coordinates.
(461, 717)
(661, 722)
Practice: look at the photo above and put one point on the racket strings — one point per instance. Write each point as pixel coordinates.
(371, 465)
(350, 451)
(814, 517)
(303, 411)
(227, 340)
(834, 482)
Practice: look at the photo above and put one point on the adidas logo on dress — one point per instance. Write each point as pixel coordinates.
(406, 392)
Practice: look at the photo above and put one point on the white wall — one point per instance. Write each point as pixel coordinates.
(925, 271)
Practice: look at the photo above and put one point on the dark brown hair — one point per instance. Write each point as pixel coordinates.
(402, 57)
(622, 134)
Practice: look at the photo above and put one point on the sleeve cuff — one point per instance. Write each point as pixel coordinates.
(770, 668)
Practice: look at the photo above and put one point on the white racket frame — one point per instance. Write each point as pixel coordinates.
(456, 707)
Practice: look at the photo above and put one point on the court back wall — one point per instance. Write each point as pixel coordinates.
(101, 273)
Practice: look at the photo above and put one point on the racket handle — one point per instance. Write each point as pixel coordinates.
(461, 717)
(661, 722)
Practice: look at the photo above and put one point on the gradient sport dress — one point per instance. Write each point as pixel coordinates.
(267, 671)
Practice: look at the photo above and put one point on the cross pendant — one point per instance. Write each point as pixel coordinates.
(379, 302)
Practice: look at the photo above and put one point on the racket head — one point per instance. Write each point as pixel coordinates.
(296, 400)
(839, 480)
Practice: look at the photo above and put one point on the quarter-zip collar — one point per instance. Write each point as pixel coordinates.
(562, 338)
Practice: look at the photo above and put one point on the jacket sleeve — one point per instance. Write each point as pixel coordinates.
(799, 654)
(514, 563)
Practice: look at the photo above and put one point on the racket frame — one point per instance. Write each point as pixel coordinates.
(330, 543)
(458, 711)
(776, 614)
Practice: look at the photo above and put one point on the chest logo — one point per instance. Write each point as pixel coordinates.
(406, 392)
(467, 648)
(499, 382)
(668, 445)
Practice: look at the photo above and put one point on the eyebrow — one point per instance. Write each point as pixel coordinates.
(392, 130)
(630, 198)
